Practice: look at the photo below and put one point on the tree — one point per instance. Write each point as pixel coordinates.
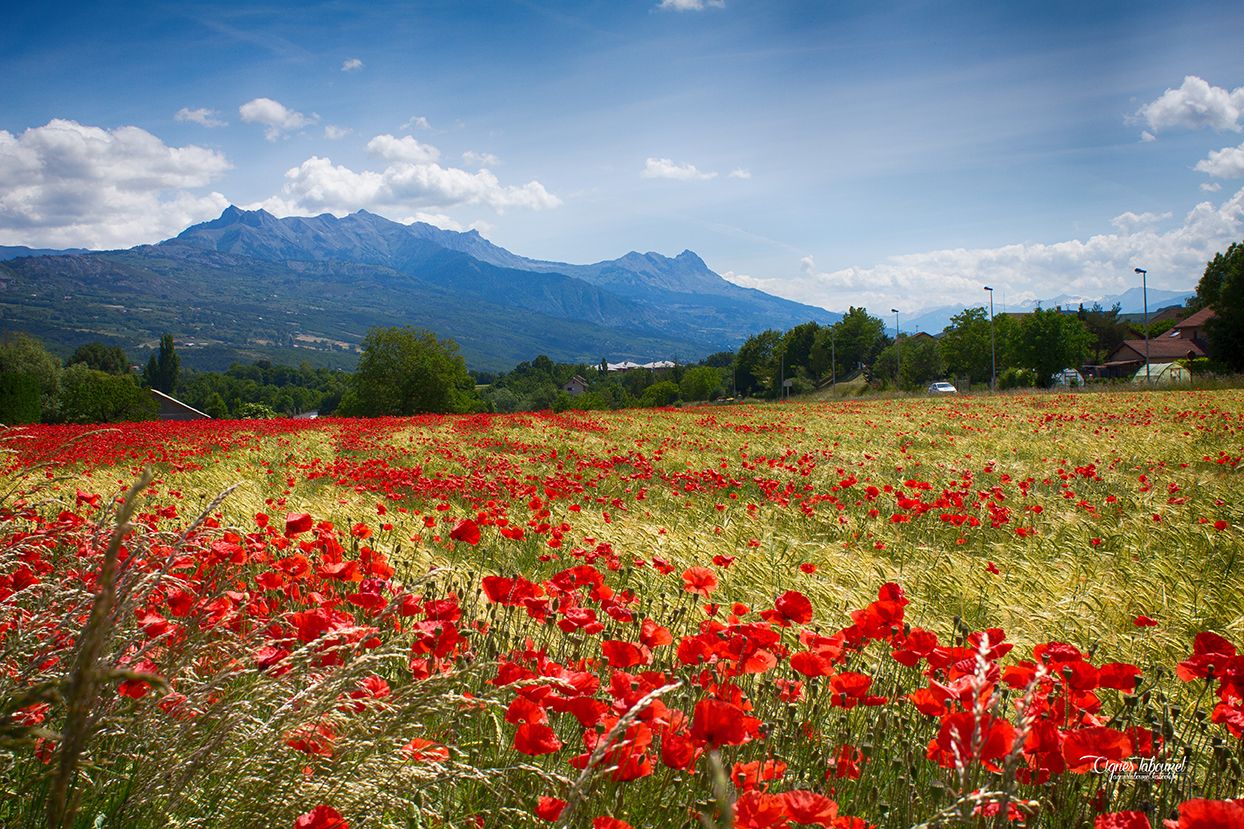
(1049, 341)
(1222, 288)
(215, 406)
(755, 364)
(700, 382)
(921, 361)
(109, 359)
(19, 398)
(406, 371)
(659, 394)
(90, 396)
(966, 347)
(856, 339)
(1217, 271)
(162, 369)
(1106, 329)
(22, 354)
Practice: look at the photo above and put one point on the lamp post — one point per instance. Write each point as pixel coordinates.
(833, 361)
(993, 347)
(1144, 285)
(898, 352)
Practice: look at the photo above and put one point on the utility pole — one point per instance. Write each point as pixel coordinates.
(833, 361)
(993, 347)
(898, 352)
(1144, 285)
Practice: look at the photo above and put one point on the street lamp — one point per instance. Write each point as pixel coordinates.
(1144, 284)
(898, 352)
(993, 348)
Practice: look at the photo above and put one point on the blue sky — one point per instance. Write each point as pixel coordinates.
(896, 155)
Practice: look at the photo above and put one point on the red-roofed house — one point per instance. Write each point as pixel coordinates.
(1186, 341)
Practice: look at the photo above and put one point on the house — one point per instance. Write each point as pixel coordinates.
(170, 408)
(575, 386)
(1186, 341)
(1192, 329)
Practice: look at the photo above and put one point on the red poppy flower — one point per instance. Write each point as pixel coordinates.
(1211, 814)
(793, 607)
(321, 817)
(297, 523)
(757, 810)
(1123, 820)
(1085, 748)
(1143, 621)
(810, 808)
(622, 654)
(426, 751)
(719, 723)
(465, 530)
(549, 808)
(699, 581)
(954, 742)
(534, 739)
(606, 822)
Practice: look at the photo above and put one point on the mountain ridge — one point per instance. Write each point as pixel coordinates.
(249, 285)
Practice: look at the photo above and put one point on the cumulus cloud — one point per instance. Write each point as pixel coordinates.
(1099, 266)
(1225, 163)
(275, 116)
(333, 132)
(351, 65)
(1211, 186)
(739, 172)
(67, 184)
(665, 168)
(417, 122)
(202, 116)
(1193, 105)
(411, 183)
(405, 149)
(691, 5)
(1129, 221)
(474, 159)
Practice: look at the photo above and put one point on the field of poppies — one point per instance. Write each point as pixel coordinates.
(984, 611)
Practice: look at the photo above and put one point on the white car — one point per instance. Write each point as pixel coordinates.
(942, 388)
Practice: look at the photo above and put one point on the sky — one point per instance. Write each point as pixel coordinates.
(837, 153)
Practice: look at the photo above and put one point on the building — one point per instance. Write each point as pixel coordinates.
(1163, 374)
(170, 408)
(575, 386)
(1185, 341)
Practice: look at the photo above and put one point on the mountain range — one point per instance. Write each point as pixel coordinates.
(249, 285)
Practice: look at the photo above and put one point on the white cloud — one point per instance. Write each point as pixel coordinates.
(275, 116)
(1146, 136)
(475, 159)
(410, 183)
(1225, 163)
(417, 122)
(1211, 186)
(691, 5)
(202, 116)
(405, 148)
(1129, 221)
(1095, 267)
(1193, 105)
(351, 65)
(739, 172)
(665, 168)
(334, 133)
(66, 184)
